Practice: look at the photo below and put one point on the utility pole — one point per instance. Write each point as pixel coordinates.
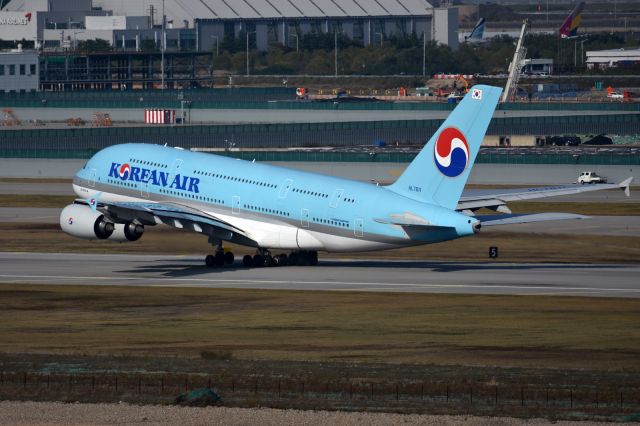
(162, 47)
(335, 48)
(248, 32)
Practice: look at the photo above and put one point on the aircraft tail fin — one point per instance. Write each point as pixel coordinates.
(478, 31)
(570, 25)
(439, 172)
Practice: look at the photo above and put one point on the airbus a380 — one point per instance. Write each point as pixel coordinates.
(125, 188)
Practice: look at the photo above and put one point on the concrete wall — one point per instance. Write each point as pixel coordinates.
(446, 26)
(17, 82)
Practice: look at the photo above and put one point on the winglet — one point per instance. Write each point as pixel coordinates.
(624, 185)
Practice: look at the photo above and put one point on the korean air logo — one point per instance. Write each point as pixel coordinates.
(477, 94)
(124, 171)
(92, 202)
(70, 221)
(451, 152)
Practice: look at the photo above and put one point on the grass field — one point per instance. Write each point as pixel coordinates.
(557, 332)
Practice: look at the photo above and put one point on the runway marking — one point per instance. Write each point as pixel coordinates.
(374, 285)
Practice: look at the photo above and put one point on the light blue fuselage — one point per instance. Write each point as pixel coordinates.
(334, 214)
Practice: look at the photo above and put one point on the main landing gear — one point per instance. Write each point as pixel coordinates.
(220, 258)
(264, 258)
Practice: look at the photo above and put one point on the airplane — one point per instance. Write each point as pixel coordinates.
(125, 188)
(477, 34)
(569, 28)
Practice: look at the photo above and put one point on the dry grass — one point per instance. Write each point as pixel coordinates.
(28, 200)
(35, 180)
(280, 325)
(560, 332)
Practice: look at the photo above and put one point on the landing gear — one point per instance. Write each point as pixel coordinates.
(263, 258)
(220, 258)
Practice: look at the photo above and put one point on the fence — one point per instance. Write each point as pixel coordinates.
(258, 98)
(247, 136)
(406, 396)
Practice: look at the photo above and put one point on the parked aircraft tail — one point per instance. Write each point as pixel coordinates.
(439, 172)
(477, 33)
(570, 25)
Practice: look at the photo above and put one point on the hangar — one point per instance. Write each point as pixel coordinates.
(200, 25)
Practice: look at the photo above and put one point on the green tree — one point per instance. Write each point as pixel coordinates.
(96, 45)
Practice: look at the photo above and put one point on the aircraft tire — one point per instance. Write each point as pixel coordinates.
(293, 258)
(229, 258)
(312, 257)
(210, 261)
(219, 259)
(267, 260)
(247, 261)
(284, 261)
(258, 260)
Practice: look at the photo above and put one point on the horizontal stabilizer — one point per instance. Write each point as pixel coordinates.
(512, 219)
(410, 220)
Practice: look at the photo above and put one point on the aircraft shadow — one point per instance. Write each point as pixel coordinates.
(194, 267)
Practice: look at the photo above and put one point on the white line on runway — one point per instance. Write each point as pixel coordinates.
(336, 283)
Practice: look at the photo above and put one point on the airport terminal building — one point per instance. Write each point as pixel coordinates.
(200, 25)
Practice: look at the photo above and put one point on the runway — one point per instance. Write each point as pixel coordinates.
(329, 275)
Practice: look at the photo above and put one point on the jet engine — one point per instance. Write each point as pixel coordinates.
(80, 221)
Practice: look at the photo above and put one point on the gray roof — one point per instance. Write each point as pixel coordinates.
(272, 9)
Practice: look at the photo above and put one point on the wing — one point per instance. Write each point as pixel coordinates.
(172, 214)
(512, 219)
(498, 200)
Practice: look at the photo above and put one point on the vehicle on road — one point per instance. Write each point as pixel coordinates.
(615, 95)
(591, 177)
(125, 188)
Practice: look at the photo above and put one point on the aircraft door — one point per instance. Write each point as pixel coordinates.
(144, 189)
(235, 204)
(175, 169)
(337, 196)
(92, 178)
(285, 188)
(304, 218)
(358, 227)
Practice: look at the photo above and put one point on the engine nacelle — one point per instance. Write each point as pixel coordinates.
(80, 221)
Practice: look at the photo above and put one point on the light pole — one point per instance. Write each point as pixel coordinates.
(162, 47)
(217, 49)
(424, 53)
(381, 37)
(248, 32)
(297, 41)
(335, 48)
(75, 38)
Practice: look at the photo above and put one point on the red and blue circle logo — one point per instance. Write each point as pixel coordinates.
(451, 152)
(70, 221)
(124, 171)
